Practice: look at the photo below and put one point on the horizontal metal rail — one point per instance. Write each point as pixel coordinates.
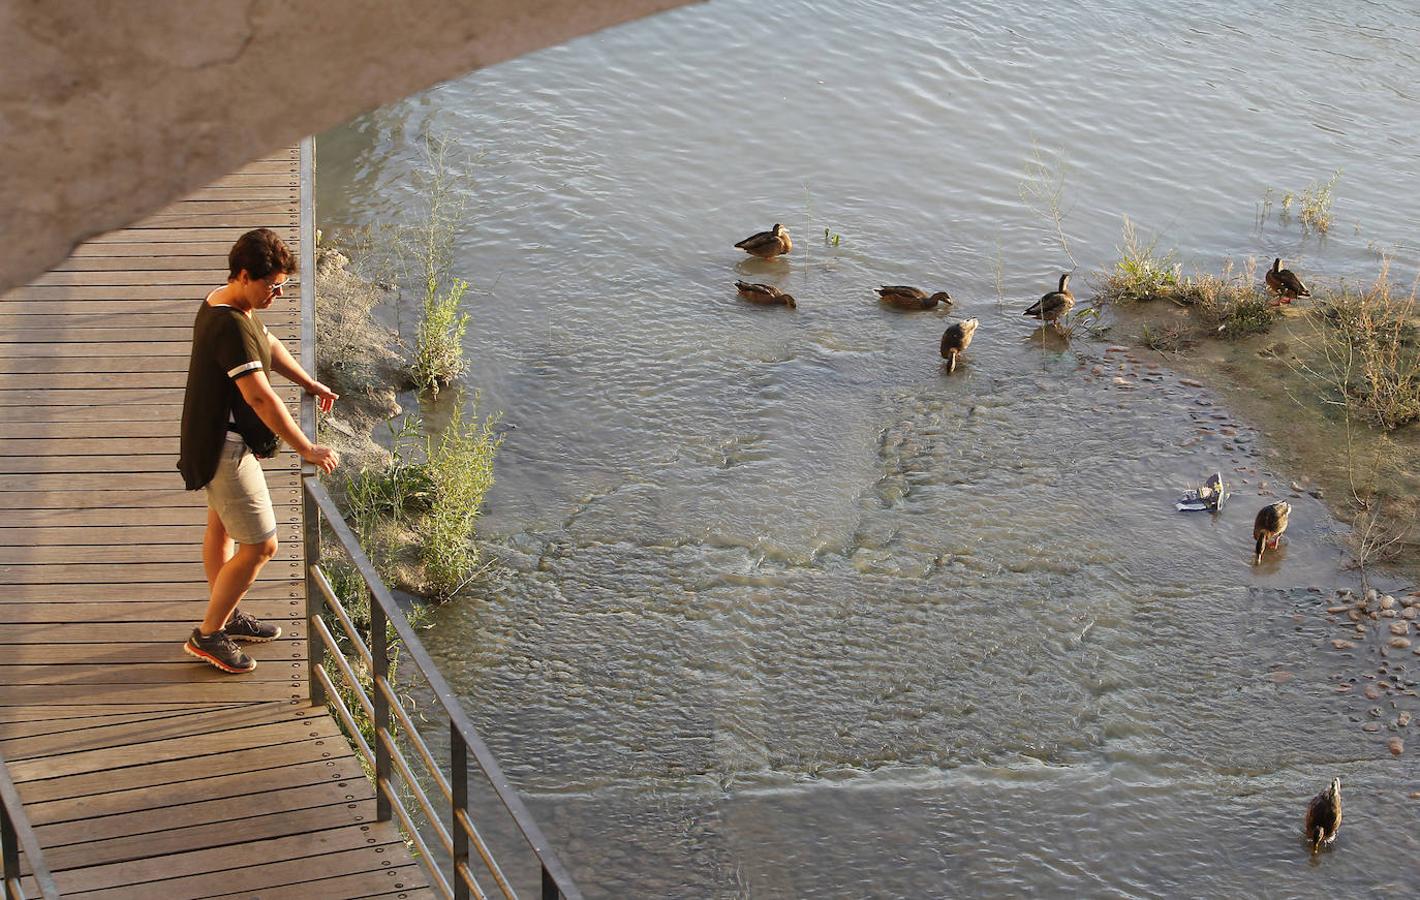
(385, 756)
(16, 835)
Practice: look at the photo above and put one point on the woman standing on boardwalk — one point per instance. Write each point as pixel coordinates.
(230, 417)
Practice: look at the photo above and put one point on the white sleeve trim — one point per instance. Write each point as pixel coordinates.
(244, 367)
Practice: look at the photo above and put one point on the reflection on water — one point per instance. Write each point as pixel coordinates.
(789, 612)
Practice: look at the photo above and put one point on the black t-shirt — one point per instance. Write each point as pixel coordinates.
(226, 345)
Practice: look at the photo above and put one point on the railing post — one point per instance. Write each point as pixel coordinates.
(379, 654)
(549, 886)
(310, 513)
(315, 598)
(458, 770)
(10, 844)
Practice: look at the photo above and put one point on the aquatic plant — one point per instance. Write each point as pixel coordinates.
(438, 339)
(1368, 359)
(1141, 274)
(460, 470)
(1042, 188)
(1313, 205)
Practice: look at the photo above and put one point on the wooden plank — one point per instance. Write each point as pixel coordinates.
(331, 752)
(150, 650)
(141, 613)
(163, 462)
(68, 639)
(259, 796)
(90, 535)
(67, 430)
(175, 380)
(66, 728)
(182, 348)
(122, 594)
(111, 735)
(236, 690)
(104, 519)
(224, 237)
(56, 502)
(115, 247)
(105, 575)
(224, 786)
(134, 552)
(166, 444)
(265, 208)
(215, 261)
(281, 178)
(214, 275)
(155, 876)
(183, 671)
(393, 882)
(137, 313)
(138, 481)
(285, 190)
(23, 720)
(177, 332)
(95, 365)
(125, 766)
(188, 292)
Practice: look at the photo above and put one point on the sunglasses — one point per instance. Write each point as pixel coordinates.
(273, 289)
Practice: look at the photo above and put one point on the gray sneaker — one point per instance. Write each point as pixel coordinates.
(242, 627)
(218, 650)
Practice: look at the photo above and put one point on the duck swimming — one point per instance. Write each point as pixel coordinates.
(906, 297)
(1054, 305)
(765, 294)
(767, 244)
(1323, 816)
(955, 341)
(1267, 528)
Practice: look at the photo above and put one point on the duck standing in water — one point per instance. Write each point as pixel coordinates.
(1054, 305)
(1267, 528)
(767, 244)
(955, 341)
(1285, 283)
(1323, 816)
(765, 294)
(906, 297)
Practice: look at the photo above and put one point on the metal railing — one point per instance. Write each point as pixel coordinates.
(17, 835)
(458, 837)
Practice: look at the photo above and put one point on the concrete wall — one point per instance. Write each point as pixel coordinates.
(110, 110)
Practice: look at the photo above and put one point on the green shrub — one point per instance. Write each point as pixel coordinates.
(1371, 361)
(460, 470)
(1140, 273)
(438, 341)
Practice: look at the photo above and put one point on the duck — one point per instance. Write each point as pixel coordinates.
(1267, 528)
(905, 297)
(1323, 819)
(767, 244)
(1054, 305)
(1285, 282)
(955, 340)
(765, 294)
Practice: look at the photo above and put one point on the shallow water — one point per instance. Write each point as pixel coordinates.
(790, 612)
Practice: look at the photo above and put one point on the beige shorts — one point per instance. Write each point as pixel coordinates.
(238, 493)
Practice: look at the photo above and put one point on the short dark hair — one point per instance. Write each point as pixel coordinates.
(261, 254)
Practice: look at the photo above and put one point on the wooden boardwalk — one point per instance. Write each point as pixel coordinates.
(146, 773)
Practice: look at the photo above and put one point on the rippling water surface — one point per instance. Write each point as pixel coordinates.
(788, 611)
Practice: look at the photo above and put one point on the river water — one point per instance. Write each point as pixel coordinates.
(785, 610)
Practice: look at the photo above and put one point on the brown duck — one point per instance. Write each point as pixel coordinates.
(1267, 528)
(1323, 816)
(768, 244)
(1054, 305)
(904, 297)
(1285, 283)
(765, 294)
(955, 340)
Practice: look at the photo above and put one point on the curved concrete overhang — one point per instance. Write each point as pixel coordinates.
(110, 111)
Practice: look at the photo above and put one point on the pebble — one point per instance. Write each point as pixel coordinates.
(1296, 487)
(1340, 644)
(1374, 712)
(1372, 727)
(1400, 643)
(1354, 615)
(1400, 628)
(1386, 613)
(1343, 689)
(1397, 746)
(1371, 594)
(1387, 602)
(1336, 610)
(1409, 612)
(1415, 795)
(1280, 677)
(1190, 382)
(1372, 692)
(1403, 719)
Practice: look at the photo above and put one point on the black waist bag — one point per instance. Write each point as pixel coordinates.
(260, 440)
